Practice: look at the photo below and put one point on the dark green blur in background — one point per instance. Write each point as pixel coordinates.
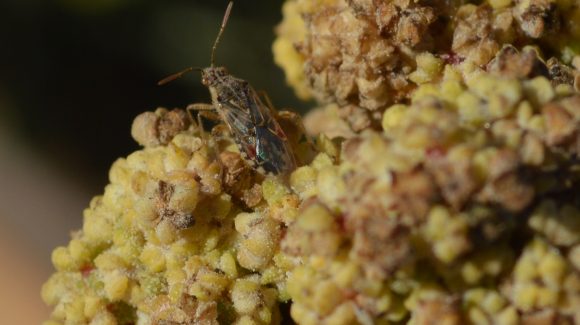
(74, 73)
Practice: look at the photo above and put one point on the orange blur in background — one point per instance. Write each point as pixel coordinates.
(38, 208)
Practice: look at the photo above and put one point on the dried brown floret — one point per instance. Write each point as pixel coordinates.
(437, 310)
(382, 244)
(511, 63)
(414, 192)
(188, 311)
(453, 177)
(561, 73)
(207, 171)
(474, 36)
(252, 196)
(544, 317)
(172, 201)
(511, 190)
(158, 128)
(537, 17)
(358, 118)
(239, 179)
(404, 21)
(560, 125)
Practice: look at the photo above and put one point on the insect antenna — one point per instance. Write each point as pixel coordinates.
(223, 26)
(178, 75)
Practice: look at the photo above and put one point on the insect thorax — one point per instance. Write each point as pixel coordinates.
(212, 76)
(224, 84)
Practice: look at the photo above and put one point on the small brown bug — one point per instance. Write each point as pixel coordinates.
(252, 123)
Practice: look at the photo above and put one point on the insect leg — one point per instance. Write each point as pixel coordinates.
(296, 120)
(267, 100)
(203, 110)
(219, 131)
(207, 111)
(212, 116)
(200, 107)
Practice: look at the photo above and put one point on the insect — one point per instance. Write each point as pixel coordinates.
(250, 120)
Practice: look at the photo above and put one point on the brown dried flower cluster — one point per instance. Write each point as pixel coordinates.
(357, 52)
(366, 55)
(481, 29)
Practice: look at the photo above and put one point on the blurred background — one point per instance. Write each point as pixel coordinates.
(73, 75)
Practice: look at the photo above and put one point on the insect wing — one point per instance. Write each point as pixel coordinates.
(259, 112)
(273, 153)
(241, 127)
(238, 120)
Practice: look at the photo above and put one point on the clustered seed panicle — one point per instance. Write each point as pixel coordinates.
(440, 186)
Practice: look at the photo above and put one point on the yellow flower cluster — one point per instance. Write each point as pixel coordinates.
(543, 280)
(166, 243)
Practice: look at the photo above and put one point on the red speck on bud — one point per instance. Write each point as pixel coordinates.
(86, 270)
(435, 152)
(452, 58)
